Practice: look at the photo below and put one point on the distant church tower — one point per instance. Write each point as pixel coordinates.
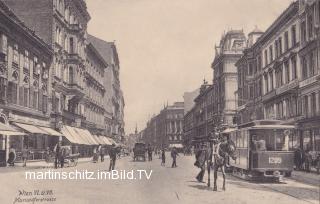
(136, 131)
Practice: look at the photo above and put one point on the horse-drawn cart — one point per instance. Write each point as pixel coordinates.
(64, 155)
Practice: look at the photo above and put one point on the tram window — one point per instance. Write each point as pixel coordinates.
(282, 140)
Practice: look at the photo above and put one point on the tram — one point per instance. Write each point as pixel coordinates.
(262, 150)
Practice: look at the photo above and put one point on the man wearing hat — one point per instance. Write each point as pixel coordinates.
(113, 157)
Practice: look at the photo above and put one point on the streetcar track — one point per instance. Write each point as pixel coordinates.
(273, 189)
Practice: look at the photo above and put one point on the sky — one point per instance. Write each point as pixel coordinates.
(166, 47)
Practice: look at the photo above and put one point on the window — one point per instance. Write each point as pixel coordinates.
(306, 106)
(3, 43)
(311, 64)
(294, 67)
(266, 83)
(12, 93)
(279, 79)
(271, 53)
(25, 96)
(303, 31)
(35, 99)
(293, 35)
(286, 41)
(266, 57)
(280, 46)
(287, 71)
(304, 67)
(26, 59)
(271, 80)
(276, 45)
(15, 54)
(310, 26)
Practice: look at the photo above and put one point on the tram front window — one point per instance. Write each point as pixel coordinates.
(269, 140)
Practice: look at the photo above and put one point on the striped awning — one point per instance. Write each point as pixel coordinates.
(8, 130)
(31, 128)
(51, 131)
(72, 135)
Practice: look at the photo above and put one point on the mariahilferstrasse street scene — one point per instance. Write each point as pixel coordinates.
(159, 101)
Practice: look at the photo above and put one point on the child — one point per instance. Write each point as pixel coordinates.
(163, 157)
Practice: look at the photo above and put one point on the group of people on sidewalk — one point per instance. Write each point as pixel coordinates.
(304, 160)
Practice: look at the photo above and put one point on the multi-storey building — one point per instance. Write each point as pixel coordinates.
(225, 83)
(63, 26)
(309, 85)
(95, 91)
(249, 83)
(188, 98)
(198, 122)
(280, 66)
(25, 84)
(166, 129)
(113, 100)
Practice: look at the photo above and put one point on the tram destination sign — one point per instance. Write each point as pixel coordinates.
(275, 160)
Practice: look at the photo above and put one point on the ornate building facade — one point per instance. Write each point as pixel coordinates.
(225, 82)
(25, 83)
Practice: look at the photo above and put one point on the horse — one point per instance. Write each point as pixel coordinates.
(220, 158)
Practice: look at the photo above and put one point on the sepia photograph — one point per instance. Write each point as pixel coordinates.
(159, 101)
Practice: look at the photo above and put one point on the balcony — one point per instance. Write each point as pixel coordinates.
(287, 87)
(72, 116)
(269, 95)
(74, 58)
(75, 27)
(309, 81)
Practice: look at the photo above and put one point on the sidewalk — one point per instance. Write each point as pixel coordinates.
(37, 165)
(304, 177)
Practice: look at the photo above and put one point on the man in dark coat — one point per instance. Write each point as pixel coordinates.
(113, 157)
(149, 153)
(174, 154)
(57, 150)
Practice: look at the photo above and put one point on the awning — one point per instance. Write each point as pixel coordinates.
(98, 140)
(51, 131)
(8, 130)
(105, 140)
(228, 130)
(176, 145)
(31, 128)
(81, 135)
(112, 141)
(71, 135)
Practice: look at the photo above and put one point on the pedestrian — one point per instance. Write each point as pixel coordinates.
(113, 157)
(25, 153)
(12, 156)
(149, 153)
(95, 155)
(62, 156)
(57, 150)
(308, 160)
(174, 154)
(102, 154)
(163, 157)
